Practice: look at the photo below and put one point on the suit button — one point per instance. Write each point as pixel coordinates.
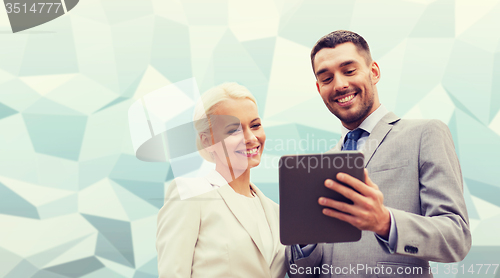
(411, 249)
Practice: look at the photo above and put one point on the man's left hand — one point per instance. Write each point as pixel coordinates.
(368, 211)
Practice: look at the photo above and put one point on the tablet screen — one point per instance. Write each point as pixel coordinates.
(302, 183)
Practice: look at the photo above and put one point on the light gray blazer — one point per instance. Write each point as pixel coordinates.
(414, 164)
(211, 235)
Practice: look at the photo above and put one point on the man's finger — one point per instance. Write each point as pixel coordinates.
(344, 191)
(339, 215)
(358, 185)
(342, 206)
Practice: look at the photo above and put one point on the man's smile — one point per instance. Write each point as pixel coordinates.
(346, 100)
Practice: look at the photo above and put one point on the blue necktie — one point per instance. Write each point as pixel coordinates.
(352, 137)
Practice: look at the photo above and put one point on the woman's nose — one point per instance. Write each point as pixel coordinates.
(250, 137)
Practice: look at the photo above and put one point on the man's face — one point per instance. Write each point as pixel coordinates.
(346, 83)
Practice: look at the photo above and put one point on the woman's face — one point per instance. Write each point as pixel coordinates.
(243, 140)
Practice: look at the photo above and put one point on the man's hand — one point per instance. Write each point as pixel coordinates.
(368, 211)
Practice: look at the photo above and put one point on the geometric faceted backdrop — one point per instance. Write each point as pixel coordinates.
(76, 202)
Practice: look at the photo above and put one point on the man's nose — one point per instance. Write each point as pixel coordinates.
(340, 84)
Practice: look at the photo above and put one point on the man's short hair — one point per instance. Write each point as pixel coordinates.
(339, 37)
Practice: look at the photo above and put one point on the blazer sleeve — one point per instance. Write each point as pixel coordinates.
(296, 268)
(177, 233)
(441, 233)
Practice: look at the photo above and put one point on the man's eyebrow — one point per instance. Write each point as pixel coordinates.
(321, 71)
(343, 64)
(346, 63)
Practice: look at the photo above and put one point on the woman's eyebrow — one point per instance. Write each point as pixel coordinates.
(232, 124)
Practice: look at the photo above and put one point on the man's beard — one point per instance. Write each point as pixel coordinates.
(365, 107)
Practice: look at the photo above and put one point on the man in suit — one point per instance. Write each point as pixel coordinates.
(411, 208)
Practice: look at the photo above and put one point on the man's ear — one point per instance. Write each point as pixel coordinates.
(317, 86)
(375, 72)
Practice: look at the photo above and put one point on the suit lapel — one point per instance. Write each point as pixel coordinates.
(227, 194)
(378, 134)
(215, 179)
(337, 147)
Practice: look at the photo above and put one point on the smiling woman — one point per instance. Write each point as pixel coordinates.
(229, 229)
(230, 131)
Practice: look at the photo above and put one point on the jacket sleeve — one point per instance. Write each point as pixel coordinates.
(441, 233)
(297, 268)
(177, 234)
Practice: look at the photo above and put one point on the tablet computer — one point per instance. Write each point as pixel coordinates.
(301, 184)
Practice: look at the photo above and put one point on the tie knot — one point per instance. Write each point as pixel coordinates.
(355, 134)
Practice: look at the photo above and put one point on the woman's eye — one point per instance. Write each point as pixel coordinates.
(234, 131)
(256, 125)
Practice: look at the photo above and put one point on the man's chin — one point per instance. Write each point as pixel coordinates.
(350, 119)
(348, 116)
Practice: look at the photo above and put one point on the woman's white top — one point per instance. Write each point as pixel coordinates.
(255, 211)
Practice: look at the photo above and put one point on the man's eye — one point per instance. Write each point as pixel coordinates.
(350, 71)
(326, 80)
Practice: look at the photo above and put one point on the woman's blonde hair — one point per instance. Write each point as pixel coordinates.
(208, 105)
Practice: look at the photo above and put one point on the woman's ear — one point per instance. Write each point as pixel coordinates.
(206, 142)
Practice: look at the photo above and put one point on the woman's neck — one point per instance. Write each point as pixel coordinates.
(238, 180)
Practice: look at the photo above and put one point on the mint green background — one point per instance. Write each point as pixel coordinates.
(74, 200)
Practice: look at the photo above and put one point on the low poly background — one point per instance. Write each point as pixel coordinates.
(76, 202)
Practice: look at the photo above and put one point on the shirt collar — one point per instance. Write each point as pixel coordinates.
(370, 122)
